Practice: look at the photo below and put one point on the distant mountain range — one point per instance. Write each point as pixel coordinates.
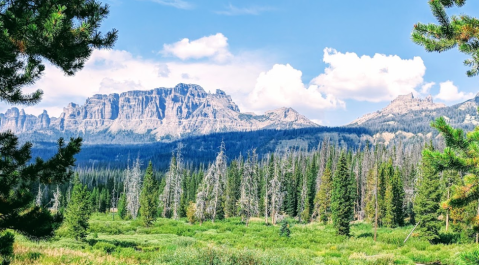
(161, 114)
(408, 117)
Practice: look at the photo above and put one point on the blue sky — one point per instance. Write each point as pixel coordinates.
(257, 51)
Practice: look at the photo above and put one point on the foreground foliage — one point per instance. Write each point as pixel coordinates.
(230, 242)
(456, 31)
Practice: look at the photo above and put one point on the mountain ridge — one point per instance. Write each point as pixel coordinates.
(162, 113)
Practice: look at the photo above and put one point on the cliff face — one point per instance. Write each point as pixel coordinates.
(165, 113)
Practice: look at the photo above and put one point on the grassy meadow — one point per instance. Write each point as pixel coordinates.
(230, 242)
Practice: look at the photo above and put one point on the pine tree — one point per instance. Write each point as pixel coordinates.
(427, 202)
(249, 205)
(57, 199)
(122, 212)
(173, 189)
(233, 190)
(394, 200)
(323, 197)
(78, 211)
(342, 202)
(213, 187)
(458, 31)
(133, 189)
(149, 197)
(17, 178)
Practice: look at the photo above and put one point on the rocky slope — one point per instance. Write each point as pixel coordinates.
(159, 114)
(408, 118)
(401, 105)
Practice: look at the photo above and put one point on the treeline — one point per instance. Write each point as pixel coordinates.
(200, 150)
(388, 186)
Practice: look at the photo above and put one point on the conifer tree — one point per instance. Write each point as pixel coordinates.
(233, 188)
(394, 199)
(427, 202)
(56, 199)
(342, 202)
(122, 212)
(458, 31)
(173, 190)
(149, 197)
(323, 197)
(249, 205)
(276, 190)
(78, 211)
(133, 189)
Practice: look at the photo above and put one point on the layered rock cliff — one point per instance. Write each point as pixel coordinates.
(164, 113)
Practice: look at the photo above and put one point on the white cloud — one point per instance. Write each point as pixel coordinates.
(214, 47)
(115, 71)
(449, 92)
(427, 87)
(365, 78)
(232, 10)
(174, 3)
(282, 86)
(163, 70)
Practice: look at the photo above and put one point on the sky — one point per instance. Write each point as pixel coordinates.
(332, 61)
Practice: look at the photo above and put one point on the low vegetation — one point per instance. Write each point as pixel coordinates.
(168, 241)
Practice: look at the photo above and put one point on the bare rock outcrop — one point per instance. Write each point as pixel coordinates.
(165, 113)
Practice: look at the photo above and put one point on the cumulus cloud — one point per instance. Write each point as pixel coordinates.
(214, 47)
(365, 78)
(232, 10)
(449, 92)
(282, 86)
(174, 3)
(427, 87)
(116, 71)
(163, 70)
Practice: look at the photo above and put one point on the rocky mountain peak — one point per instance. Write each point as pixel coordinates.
(162, 113)
(401, 105)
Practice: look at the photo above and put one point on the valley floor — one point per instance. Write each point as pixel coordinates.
(230, 242)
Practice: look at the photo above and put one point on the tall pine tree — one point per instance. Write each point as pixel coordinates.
(427, 202)
(149, 197)
(78, 211)
(342, 201)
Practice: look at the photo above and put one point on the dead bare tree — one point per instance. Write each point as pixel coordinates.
(249, 188)
(133, 189)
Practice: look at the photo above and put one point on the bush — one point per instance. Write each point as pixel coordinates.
(470, 258)
(284, 231)
(104, 247)
(190, 213)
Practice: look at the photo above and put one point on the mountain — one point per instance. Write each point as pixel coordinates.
(161, 114)
(402, 105)
(411, 117)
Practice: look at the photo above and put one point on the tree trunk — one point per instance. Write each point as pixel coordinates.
(447, 212)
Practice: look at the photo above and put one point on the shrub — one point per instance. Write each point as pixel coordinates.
(470, 258)
(190, 213)
(284, 231)
(104, 247)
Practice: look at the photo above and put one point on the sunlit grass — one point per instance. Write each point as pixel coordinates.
(230, 242)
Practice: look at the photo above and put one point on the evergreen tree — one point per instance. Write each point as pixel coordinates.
(394, 199)
(149, 197)
(64, 32)
(323, 197)
(17, 178)
(122, 212)
(78, 211)
(342, 202)
(459, 31)
(427, 203)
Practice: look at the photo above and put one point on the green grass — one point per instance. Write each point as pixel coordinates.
(230, 242)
